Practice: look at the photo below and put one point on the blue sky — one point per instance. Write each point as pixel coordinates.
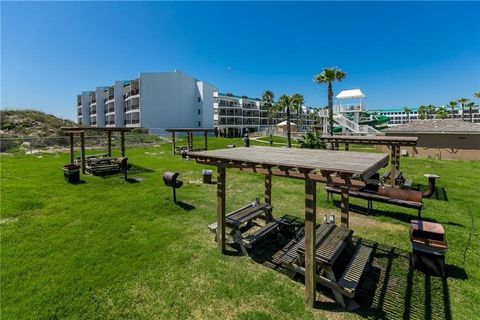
(399, 54)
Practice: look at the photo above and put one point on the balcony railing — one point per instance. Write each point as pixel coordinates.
(109, 122)
(134, 107)
(108, 98)
(131, 93)
(135, 121)
(109, 110)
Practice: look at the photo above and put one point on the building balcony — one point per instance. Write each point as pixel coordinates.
(109, 98)
(131, 93)
(132, 123)
(131, 108)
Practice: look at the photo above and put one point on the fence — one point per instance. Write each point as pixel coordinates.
(54, 144)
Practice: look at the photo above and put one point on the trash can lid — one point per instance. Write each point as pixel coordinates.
(207, 171)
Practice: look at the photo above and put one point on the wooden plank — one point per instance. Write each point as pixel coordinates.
(310, 228)
(345, 208)
(189, 129)
(82, 150)
(268, 188)
(72, 155)
(221, 179)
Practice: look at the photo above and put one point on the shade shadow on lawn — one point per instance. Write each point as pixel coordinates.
(390, 290)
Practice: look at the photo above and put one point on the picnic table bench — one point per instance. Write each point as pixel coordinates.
(371, 196)
(101, 165)
(331, 243)
(248, 225)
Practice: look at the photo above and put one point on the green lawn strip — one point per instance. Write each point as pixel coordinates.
(112, 249)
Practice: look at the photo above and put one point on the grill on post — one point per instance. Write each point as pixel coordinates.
(123, 165)
(170, 180)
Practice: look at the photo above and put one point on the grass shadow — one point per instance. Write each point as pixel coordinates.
(139, 169)
(185, 206)
(440, 193)
(78, 182)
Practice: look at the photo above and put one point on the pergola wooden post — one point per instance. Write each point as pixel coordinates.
(189, 132)
(346, 146)
(109, 143)
(71, 147)
(173, 143)
(122, 142)
(268, 188)
(393, 164)
(205, 138)
(82, 150)
(310, 229)
(221, 180)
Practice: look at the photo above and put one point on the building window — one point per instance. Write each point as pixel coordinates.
(199, 111)
(199, 124)
(199, 99)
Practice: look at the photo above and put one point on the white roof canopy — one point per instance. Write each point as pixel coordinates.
(284, 123)
(350, 94)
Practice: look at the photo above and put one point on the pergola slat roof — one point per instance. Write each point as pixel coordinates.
(79, 129)
(301, 159)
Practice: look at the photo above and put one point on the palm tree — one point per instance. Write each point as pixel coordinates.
(453, 104)
(463, 102)
(471, 106)
(269, 104)
(422, 110)
(327, 76)
(430, 110)
(298, 102)
(286, 103)
(477, 95)
(407, 110)
(442, 113)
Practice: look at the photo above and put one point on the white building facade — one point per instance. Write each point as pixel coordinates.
(236, 115)
(153, 100)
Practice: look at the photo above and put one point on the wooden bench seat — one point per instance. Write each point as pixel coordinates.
(240, 223)
(355, 269)
(370, 197)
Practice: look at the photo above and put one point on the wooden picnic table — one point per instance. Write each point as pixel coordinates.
(311, 166)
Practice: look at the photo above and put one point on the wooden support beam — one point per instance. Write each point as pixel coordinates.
(310, 230)
(268, 188)
(188, 140)
(122, 142)
(221, 179)
(72, 155)
(346, 146)
(345, 208)
(109, 143)
(397, 160)
(173, 142)
(393, 165)
(205, 137)
(82, 150)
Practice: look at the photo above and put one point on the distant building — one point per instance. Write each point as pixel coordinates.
(235, 115)
(153, 100)
(399, 116)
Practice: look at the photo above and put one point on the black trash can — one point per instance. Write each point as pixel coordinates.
(207, 176)
(71, 173)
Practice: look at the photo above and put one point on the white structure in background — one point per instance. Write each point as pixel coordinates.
(236, 115)
(153, 100)
(349, 102)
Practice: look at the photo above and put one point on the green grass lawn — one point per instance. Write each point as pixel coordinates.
(110, 249)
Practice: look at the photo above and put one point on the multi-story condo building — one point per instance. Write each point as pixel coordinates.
(399, 116)
(153, 100)
(235, 115)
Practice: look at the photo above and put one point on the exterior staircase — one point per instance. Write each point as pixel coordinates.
(352, 126)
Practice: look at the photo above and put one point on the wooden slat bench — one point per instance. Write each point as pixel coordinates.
(331, 242)
(371, 196)
(355, 269)
(248, 225)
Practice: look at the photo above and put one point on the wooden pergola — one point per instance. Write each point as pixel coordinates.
(189, 132)
(312, 166)
(394, 144)
(81, 131)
